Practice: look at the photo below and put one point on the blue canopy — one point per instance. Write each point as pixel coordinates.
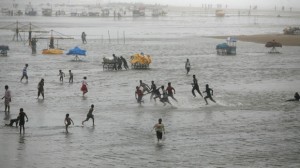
(76, 51)
(222, 46)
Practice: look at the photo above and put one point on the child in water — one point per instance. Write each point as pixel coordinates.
(139, 95)
(61, 76)
(68, 121)
(71, 77)
(84, 88)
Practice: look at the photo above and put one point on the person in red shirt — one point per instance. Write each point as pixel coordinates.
(139, 95)
(170, 91)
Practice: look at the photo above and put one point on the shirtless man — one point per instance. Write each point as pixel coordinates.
(207, 91)
(90, 115)
(68, 121)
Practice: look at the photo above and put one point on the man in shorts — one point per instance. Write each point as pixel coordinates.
(24, 73)
(90, 115)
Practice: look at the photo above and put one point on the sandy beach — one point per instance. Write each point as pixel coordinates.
(286, 40)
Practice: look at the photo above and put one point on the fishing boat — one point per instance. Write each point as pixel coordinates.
(47, 12)
(220, 13)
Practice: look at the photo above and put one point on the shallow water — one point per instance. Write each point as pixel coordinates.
(250, 126)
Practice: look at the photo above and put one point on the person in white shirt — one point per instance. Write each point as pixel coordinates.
(160, 129)
(7, 99)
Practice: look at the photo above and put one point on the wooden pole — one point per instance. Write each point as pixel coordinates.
(108, 36)
(124, 36)
(118, 36)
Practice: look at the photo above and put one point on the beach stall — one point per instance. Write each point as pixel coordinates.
(3, 50)
(77, 52)
(140, 61)
(228, 48)
(273, 44)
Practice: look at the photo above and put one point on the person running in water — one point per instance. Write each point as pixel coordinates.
(164, 98)
(24, 73)
(195, 86)
(71, 77)
(41, 88)
(7, 99)
(139, 95)
(154, 91)
(22, 116)
(68, 121)
(84, 88)
(160, 129)
(296, 97)
(207, 91)
(61, 75)
(144, 86)
(170, 91)
(90, 115)
(187, 66)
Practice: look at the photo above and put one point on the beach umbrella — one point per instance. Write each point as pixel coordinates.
(77, 52)
(273, 44)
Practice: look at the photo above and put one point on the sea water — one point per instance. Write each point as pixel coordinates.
(251, 125)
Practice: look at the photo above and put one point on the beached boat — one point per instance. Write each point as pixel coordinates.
(220, 13)
(29, 11)
(47, 12)
(53, 51)
(138, 12)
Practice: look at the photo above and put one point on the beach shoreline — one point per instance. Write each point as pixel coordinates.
(285, 40)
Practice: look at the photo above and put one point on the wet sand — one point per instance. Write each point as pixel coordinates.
(285, 40)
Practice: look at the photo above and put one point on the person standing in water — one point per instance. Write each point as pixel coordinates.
(90, 115)
(154, 91)
(170, 91)
(83, 38)
(61, 76)
(187, 66)
(160, 129)
(24, 73)
(71, 77)
(84, 88)
(41, 88)
(195, 86)
(139, 95)
(21, 117)
(68, 121)
(124, 62)
(207, 91)
(7, 99)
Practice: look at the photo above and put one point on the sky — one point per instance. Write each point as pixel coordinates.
(262, 4)
(230, 3)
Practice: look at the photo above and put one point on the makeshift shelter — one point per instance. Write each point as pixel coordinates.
(77, 52)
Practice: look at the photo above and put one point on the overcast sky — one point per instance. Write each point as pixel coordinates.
(262, 4)
(230, 3)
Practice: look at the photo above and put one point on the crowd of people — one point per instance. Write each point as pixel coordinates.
(161, 93)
